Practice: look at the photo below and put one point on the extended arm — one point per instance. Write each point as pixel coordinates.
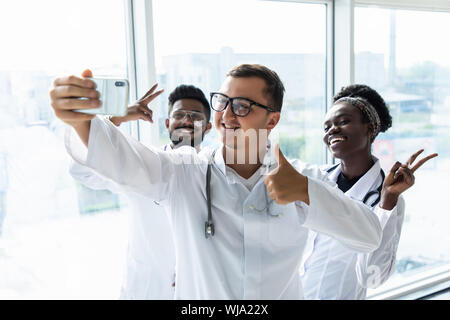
(374, 268)
(328, 209)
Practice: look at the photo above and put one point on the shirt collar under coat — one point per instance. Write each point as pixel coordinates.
(220, 163)
(371, 180)
(261, 201)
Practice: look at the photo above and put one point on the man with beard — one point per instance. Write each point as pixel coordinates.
(151, 254)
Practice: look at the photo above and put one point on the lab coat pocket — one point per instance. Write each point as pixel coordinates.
(284, 227)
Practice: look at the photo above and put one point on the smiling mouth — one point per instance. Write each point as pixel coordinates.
(335, 140)
(226, 127)
(185, 128)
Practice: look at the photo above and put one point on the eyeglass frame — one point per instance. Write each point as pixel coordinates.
(186, 113)
(230, 102)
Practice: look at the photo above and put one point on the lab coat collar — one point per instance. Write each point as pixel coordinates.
(269, 163)
(366, 183)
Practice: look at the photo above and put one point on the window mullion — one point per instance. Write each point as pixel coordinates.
(144, 64)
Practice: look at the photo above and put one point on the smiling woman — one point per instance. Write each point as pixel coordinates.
(332, 271)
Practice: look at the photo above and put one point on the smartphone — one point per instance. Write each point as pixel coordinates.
(113, 95)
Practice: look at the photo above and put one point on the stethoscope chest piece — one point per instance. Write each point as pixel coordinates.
(209, 229)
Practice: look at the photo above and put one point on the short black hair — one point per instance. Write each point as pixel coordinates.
(373, 97)
(274, 86)
(185, 91)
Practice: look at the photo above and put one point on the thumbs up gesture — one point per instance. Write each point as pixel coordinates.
(285, 184)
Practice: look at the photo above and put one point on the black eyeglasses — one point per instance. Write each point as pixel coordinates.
(239, 106)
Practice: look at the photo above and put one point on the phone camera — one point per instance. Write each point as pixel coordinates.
(120, 83)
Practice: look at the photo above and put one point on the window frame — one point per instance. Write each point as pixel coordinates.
(425, 279)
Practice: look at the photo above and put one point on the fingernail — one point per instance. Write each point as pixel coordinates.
(94, 94)
(94, 103)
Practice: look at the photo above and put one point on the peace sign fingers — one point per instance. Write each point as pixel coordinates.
(413, 158)
(422, 161)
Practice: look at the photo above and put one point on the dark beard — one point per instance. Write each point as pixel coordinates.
(177, 142)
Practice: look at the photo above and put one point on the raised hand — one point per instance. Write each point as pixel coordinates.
(65, 94)
(64, 97)
(140, 109)
(285, 184)
(400, 178)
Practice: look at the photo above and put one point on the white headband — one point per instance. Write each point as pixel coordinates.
(367, 109)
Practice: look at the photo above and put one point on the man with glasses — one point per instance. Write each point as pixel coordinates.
(150, 265)
(232, 241)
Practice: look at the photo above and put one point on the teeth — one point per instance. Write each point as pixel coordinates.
(229, 127)
(336, 140)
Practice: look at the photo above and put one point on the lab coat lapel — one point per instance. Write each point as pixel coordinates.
(366, 183)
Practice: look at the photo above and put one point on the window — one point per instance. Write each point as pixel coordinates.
(397, 53)
(50, 225)
(198, 42)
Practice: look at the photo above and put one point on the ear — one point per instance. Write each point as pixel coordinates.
(208, 127)
(370, 132)
(167, 123)
(369, 128)
(274, 118)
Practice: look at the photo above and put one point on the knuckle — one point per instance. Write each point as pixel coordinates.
(71, 78)
(52, 92)
(65, 90)
(56, 104)
(63, 104)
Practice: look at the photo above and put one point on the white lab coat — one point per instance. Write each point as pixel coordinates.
(258, 245)
(333, 271)
(150, 263)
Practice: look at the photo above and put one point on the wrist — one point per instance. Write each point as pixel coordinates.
(302, 189)
(388, 200)
(80, 125)
(115, 120)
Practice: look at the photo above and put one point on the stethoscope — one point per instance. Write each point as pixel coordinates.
(209, 225)
(369, 194)
(375, 192)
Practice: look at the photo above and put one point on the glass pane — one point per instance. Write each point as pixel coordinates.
(398, 53)
(214, 36)
(49, 225)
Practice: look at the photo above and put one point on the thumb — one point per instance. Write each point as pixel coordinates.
(280, 156)
(87, 73)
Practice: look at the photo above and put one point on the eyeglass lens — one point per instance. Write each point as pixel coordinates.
(181, 114)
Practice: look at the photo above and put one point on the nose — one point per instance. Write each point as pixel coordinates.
(227, 114)
(187, 119)
(333, 129)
